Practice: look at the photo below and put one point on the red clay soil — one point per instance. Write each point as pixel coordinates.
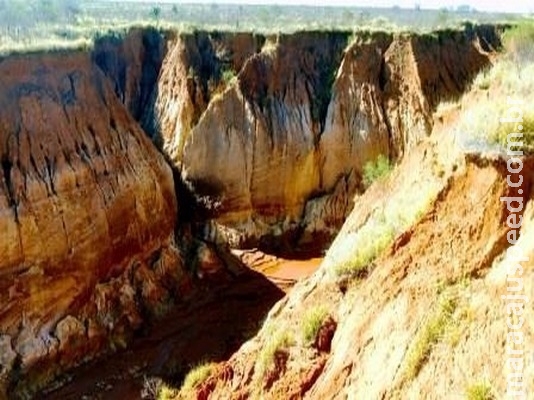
(210, 328)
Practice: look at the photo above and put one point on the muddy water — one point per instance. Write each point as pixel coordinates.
(211, 328)
(283, 272)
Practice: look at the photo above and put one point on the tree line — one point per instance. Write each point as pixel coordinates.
(27, 13)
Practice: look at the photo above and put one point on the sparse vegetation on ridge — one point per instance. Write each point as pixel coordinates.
(378, 233)
(197, 375)
(511, 76)
(167, 393)
(228, 75)
(37, 25)
(429, 335)
(375, 238)
(311, 323)
(480, 391)
(377, 169)
(280, 340)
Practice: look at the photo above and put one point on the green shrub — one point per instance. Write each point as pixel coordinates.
(167, 393)
(228, 75)
(312, 322)
(501, 132)
(430, 334)
(197, 375)
(374, 170)
(481, 120)
(480, 391)
(375, 238)
(278, 341)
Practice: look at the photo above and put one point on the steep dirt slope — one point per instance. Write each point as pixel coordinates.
(87, 219)
(278, 155)
(425, 319)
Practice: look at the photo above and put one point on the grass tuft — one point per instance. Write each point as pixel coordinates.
(378, 169)
(228, 75)
(197, 376)
(431, 333)
(280, 340)
(167, 393)
(312, 322)
(480, 391)
(375, 237)
(512, 76)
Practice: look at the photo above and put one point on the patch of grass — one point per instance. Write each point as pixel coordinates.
(430, 334)
(312, 322)
(511, 76)
(197, 375)
(480, 391)
(378, 169)
(228, 75)
(167, 393)
(518, 42)
(500, 133)
(375, 238)
(353, 256)
(482, 120)
(280, 340)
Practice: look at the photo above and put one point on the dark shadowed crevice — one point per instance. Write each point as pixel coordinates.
(133, 83)
(7, 167)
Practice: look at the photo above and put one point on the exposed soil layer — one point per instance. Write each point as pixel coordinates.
(263, 140)
(425, 319)
(278, 153)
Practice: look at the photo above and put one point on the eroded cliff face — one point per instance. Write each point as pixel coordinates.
(87, 219)
(277, 155)
(425, 319)
(197, 67)
(133, 63)
(269, 134)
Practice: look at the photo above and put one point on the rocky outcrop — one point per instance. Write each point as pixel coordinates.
(278, 155)
(87, 219)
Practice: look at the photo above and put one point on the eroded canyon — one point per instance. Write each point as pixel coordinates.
(130, 171)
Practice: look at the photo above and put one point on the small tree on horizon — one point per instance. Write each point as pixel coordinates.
(156, 14)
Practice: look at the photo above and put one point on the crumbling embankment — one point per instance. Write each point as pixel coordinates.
(269, 134)
(276, 151)
(91, 243)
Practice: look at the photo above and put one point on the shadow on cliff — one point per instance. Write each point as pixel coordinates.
(211, 326)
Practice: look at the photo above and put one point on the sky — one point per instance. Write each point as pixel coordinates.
(481, 5)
